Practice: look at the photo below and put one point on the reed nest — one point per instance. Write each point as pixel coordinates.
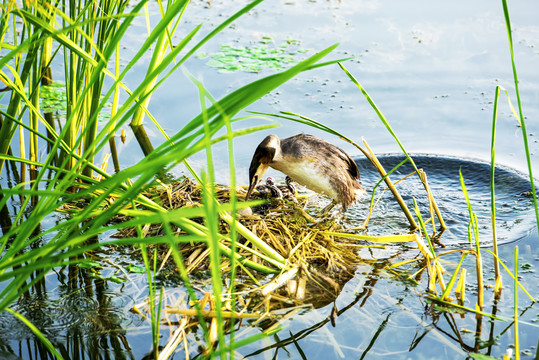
(323, 262)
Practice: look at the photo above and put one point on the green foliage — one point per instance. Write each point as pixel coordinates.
(53, 99)
(520, 116)
(135, 269)
(89, 37)
(38, 334)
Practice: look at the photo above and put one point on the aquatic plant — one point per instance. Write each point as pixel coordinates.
(256, 58)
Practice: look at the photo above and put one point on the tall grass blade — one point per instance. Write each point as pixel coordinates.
(423, 229)
(474, 226)
(390, 130)
(211, 221)
(512, 276)
(520, 112)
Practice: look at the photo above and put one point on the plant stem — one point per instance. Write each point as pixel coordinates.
(515, 312)
(521, 115)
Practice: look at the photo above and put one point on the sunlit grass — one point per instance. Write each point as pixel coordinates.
(520, 116)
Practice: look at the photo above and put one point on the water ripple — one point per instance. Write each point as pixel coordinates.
(514, 205)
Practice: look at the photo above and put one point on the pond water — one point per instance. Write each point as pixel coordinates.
(432, 69)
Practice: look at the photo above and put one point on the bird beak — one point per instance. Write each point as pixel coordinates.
(252, 185)
(255, 178)
(259, 164)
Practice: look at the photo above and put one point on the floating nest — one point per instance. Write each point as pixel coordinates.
(321, 263)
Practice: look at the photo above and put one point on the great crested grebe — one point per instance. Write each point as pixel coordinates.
(311, 162)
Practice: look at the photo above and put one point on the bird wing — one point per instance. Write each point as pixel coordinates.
(352, 166)
(299, 144)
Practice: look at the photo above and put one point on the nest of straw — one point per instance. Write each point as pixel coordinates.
(325, 262)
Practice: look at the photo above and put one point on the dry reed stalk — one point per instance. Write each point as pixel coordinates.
(279, 281)
(300, 292)
(439, 272)
(460, 290)
(498, 286)
(432, 201)
(432, 276)
(197, 259)
(499, 283)
(479, 270)
(423, 248)
(292, 287)
(174, 341)
(376, 163)
(322, 254)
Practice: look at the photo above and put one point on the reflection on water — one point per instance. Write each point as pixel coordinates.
(75, 311)
(369, 311)
(382, 317)
(375, 316)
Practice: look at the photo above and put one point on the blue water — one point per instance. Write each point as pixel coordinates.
(431, 69)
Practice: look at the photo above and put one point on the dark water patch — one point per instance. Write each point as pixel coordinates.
(514, 204)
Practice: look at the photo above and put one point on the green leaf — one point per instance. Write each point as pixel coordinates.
(90, 264)
(116, 279)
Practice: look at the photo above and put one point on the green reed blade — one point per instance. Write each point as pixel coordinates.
(520, 112)
(161, 33)
(473, 219)
(512, 275)
(423, 228)
(212, 223)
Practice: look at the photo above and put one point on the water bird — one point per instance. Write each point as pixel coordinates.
(286, 192)
(269, 190)
(312, 162)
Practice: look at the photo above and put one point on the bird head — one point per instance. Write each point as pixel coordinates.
(263, 156)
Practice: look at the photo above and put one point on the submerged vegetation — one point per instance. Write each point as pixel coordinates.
(259, 269)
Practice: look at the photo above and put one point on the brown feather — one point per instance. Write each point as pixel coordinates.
(312, 162)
